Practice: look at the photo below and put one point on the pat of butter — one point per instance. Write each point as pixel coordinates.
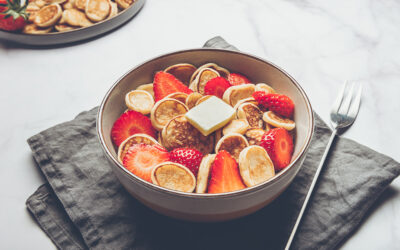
(210, 115)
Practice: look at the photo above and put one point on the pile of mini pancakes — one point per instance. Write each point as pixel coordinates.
(240, 137)
(47, 16)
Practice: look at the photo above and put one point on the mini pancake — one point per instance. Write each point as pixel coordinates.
(254, 135)
(140, 101)
(178, 96)
(204, 173)
(134, 139)
(202, 99)
(40, 3)
(238, 126)
(193, 86)
(124, 4)
(75, 17)
(264, 87)
(232, 143)
(173, 176)
(33, 29)
(80, 4)
(255, 166)
(164, 110)
(147, 87)
(192, 99)
(180, 133)
(97, 10)
(182, 71)
(271, 118)
(63, 27)
(222, 71)
(113, 9)
(70, 4)
(48, 15)
(245, 100)
(251, 113)
(32, 9)
(202, 78)
(62, 20)
(236, 93)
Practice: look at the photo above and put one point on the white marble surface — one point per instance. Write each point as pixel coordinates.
(319, 43)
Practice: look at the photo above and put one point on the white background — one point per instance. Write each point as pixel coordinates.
(319, 44)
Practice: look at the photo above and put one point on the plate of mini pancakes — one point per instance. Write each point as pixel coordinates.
(54, 22)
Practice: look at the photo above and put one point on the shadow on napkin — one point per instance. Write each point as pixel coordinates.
(84, 206)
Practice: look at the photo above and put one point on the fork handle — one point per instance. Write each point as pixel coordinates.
(314, 181)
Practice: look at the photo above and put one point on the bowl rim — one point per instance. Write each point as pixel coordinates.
(244, 191)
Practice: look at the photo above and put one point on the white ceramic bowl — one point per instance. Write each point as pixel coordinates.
(207, 207)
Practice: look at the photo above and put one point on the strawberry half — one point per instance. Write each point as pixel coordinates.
(216, 86)
(279, 104)
(188, 157)
(165, 84)
(225, 176)
(142, 158)
(279, 145)
(130, 123)
(237, 79)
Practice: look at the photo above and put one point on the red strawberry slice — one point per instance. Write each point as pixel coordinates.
(217, 86)
(225, 176)
(188, 157)
(237, 79)
(279, 104)
(130, 123)
(165, 84)
(279, 145)
(142, 158)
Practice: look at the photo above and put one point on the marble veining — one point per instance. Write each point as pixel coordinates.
(320, 43)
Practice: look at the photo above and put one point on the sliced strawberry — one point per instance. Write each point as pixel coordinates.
(142, 158)
(130, 123)
(279, 145)
(237, 79)
(279, 104)
(225, 176)
(188, 157)
(165, 84)
(217, 86)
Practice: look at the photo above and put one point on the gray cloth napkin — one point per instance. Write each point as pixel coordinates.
(84, 206)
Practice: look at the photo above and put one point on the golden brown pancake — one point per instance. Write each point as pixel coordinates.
(97, 10)
(124, 4)
(254, 135)
(222, 71)
(180, 133)
(80, 4)
(251, 113)
(182, 71)
(34, 29)
(233, 144)
(173, 176)
(48, 15)
(75, 17)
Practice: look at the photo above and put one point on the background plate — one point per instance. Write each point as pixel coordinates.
(74, 35)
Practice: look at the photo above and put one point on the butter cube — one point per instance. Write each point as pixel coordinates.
(210, 115)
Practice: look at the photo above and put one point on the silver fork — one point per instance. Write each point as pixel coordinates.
(343, 114)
